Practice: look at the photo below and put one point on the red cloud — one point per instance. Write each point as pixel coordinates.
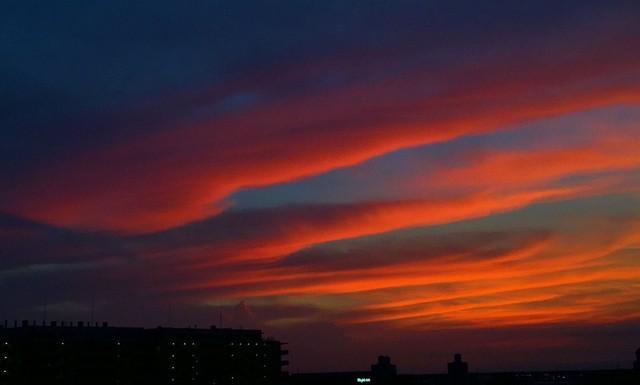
(183, 172)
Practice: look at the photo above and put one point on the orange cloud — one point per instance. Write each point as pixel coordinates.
(549, 281)
(521, 169)
(503, 181)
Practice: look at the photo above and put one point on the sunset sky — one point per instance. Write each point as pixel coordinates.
(410, 178)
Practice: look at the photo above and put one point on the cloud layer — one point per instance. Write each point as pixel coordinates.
(464, 172)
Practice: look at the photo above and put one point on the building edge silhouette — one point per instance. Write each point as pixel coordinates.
(83, 353)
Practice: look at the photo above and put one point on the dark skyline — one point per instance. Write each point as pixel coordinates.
(91, 353)
(411, 178)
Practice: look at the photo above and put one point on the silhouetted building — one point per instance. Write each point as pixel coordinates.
(458, 370)
(636, 364)
(82, 354)
(383, 372)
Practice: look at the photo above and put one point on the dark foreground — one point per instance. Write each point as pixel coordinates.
(604, 377)
(91, 354)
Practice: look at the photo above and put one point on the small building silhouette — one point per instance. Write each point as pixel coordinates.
(458, 370)
(458, 366)
(636, 364)
(384, 372)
